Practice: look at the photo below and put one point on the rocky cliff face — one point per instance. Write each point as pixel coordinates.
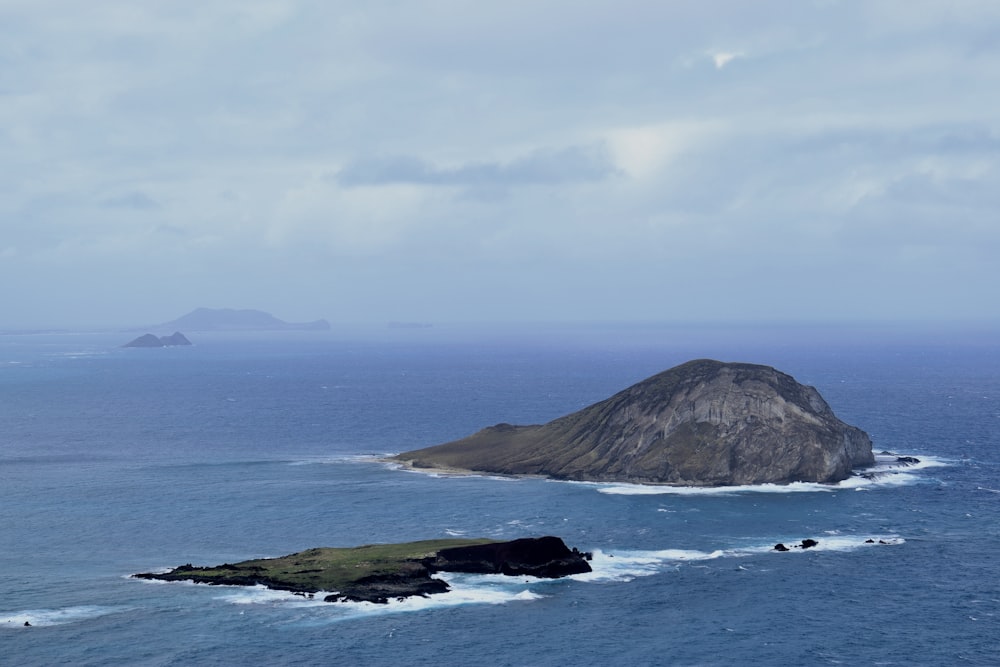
(545, 557)
(704, 423)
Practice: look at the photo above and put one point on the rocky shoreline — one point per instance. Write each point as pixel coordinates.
(379, 573)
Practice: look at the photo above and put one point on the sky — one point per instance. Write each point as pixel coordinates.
(446, 161)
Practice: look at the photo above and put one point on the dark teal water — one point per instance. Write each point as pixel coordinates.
(114, 461)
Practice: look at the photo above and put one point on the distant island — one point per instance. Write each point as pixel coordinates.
(228, 319)
(380, 572)
(150, 340)
(703, 423)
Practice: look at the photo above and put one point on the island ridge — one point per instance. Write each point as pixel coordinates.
(703, 423)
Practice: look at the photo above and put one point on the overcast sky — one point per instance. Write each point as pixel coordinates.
(499, 161)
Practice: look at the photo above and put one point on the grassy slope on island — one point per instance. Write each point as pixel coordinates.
(380, 572)
(320, 569)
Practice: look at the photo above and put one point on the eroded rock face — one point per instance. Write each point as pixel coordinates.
(381, 588)
(545, 557)
(703, 423)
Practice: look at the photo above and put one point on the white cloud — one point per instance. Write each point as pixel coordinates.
(643, 151)
(277, 144)
(723, 58)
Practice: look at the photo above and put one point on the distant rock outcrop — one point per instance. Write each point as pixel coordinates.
(149, 340)
(703, 423)
(228, 319)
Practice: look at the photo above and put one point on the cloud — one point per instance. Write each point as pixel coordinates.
(641, 151)
(540, 167)
(274, 146)
(723, 58)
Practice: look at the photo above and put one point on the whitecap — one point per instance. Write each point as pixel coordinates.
(888, 471)
(465, 589)
(627, 564)
(50, 617)
(607, 566)
(341, 458)
(895, 462)
(656, 490)
(261, 595)
(447, 474)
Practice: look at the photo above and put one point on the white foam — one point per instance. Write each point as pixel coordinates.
(443, 474)
(49, 617)
(891, 462)
(607, 566)
(261, 595)
(625, 565)
(628, 564)
(342, 458)
(659, 490)
(888, 471)
(465, 589)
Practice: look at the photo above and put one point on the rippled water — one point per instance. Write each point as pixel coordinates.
(115, 461)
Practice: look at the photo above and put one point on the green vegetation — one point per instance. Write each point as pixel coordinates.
(371, 572)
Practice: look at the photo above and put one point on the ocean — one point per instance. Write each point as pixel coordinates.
(115, 461)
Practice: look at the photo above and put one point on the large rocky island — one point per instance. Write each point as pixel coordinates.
(229, 319)
(379, 572)
(703, 423)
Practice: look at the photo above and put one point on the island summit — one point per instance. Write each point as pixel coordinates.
(703, 423)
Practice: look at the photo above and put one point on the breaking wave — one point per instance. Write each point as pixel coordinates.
(608, 566)
(625, 565)
(889, 470)
(50, 617)
(465, 589)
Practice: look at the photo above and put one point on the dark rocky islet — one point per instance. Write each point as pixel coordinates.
(381, 572)
(151, 340)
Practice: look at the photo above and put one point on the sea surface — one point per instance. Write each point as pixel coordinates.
(115, 461)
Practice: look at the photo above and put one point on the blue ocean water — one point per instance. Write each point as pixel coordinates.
(115, 461)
